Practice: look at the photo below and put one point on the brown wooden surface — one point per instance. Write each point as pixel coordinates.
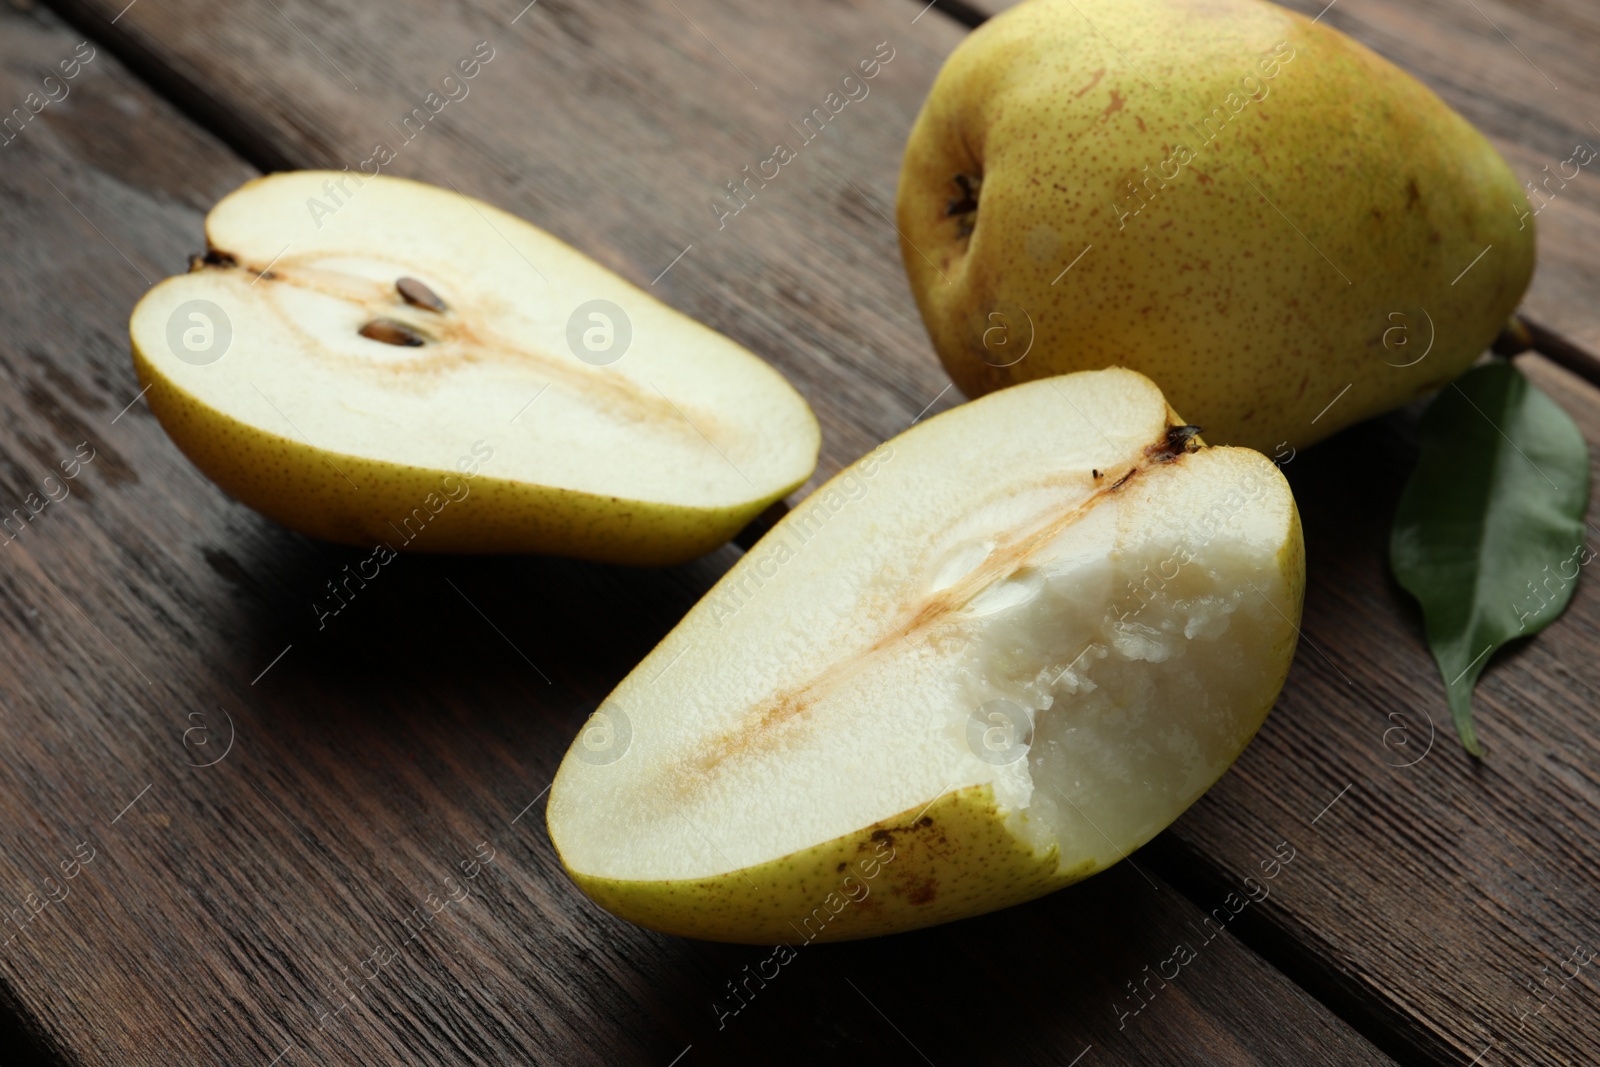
(225, 904)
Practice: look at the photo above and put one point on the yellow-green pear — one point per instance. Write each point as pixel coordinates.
(368, 359)
(992, 657)
(1282, 229)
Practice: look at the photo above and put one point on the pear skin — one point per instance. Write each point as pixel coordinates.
(946, 860)
(1285, 231)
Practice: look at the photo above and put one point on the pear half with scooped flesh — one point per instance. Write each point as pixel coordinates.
(993, 657)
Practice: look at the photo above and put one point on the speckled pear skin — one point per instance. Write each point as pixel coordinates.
(394, 503)
(1324, 232)
(953, 859)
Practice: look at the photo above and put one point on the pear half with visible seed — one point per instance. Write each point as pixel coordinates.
(991, 658)
(373, 359)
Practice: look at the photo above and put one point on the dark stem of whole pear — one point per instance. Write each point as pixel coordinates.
(1514, 337)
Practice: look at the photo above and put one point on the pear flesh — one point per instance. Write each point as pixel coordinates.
(993, 657)
(361, 357)
(1282, 229)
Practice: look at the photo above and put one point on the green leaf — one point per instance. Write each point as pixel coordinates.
(1489, 533)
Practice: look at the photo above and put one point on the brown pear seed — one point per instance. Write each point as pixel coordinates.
(418, 295)
(393, 333)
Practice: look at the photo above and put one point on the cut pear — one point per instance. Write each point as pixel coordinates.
(373, 359)
(989, 659)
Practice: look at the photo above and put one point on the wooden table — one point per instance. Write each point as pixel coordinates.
(247, 805)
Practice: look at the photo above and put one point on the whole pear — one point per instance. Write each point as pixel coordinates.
(1285, 231)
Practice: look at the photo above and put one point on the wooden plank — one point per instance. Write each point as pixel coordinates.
(1524, 74)
(247, 807)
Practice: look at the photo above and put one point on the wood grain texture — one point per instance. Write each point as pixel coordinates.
(1523, 72)
(218, 816)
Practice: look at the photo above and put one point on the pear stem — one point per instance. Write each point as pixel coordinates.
(1514, 338)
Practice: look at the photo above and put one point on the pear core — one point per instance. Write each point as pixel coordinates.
(1033, 629)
